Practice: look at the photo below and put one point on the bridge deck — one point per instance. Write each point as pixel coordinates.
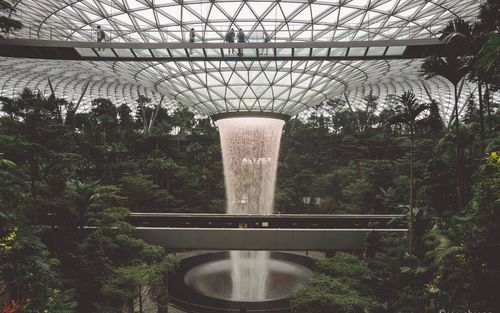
(258, 232)
(263, 232)
(259, 239)
(305, 221)
(119, 51)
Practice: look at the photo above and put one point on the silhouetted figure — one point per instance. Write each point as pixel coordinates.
(267, 39)
(230, 39)
(241, 39)
(101, 36)
(191, 39)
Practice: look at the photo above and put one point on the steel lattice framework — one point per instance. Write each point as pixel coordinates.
(219, 86)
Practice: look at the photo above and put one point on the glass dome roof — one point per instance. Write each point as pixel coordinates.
(219, 86)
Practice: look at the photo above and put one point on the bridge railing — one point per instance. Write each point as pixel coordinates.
(149, 35)
(190, 307)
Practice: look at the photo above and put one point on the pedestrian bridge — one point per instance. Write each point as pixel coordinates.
(299, 232)
(259, 239)
(263, 232)
(212, 51)
(306, 221)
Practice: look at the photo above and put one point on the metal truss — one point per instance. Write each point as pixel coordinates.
(212, 87)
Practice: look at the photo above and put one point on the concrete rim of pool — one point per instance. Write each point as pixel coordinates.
(187, 296)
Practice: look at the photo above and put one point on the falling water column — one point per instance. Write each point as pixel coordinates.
(250, 149)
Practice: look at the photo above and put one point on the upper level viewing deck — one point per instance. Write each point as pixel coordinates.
(208, 34)
(182, 51)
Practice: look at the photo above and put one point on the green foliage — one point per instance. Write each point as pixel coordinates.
(347, 268)
(486, 64)
(128, 282)
(115, 265)
(451, 68)
(7, 163)
(25, 267)
(408, 110)
(143, 195)
(339, 286)
(7, 24)
(443, 247)
(82, 195)
(325, 294)
(359, 192)
(61, 302)
(93, 168)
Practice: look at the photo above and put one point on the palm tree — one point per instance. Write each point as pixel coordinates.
(458, 31)
(116, 149)
(464, 38)
(486, 65)
(83, 195)
(406, 113)
(454, 69)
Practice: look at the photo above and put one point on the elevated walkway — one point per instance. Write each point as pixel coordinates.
(259, 238)
(306, 221)
(274, 232)
(210, 51)
(263, 232)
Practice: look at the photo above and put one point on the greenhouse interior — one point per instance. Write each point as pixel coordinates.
(216, 156)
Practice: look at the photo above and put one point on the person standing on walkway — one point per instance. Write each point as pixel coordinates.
(101, 36)
(241, 39)
(230, 39)
(267, 39)
(191, 39)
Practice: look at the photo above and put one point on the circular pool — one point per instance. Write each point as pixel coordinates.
(204, 283)
(213, 279)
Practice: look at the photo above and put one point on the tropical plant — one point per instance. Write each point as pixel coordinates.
(442, 247)
(325, 156)
(147, 113)
(10, 307)
(338, 286)
(489, 19)
(182, 119)
(7, 24)
(457, 32)
(135, 281)
(454, 69)
(465, 38)
(407, 113)
(61, 302)
(82, 195)
(116, 149)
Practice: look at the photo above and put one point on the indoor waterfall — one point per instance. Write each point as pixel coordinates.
(250, 148)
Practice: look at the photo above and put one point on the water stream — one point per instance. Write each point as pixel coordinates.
(250, 149)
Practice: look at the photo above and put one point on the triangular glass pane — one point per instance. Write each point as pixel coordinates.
(288, 9)
(216, 14)
(188, 17)
(345, 12)
(133, 4)
(303, 16)
(229, 7)
(245, 13)
(330, 18)
(259, 7)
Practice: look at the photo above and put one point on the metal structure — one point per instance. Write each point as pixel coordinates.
(263, 232)
(175, 52)
(272, 239)
(230, 85)
(198, 231)
(276, 221)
